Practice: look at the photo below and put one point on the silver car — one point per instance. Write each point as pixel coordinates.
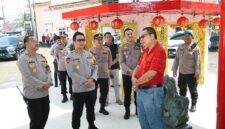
(174, 42)
(10, 47)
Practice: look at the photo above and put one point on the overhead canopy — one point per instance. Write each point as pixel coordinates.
(170, 7)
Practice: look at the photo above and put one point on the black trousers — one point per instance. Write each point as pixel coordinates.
(127, 91)
(63, 75)
(189, 80)
(38, 111)
(55, 72)
(87, 98)
(104, 89)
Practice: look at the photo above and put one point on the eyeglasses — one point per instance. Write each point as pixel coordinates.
(80, 40)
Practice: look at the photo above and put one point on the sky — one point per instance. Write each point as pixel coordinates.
(12, 8)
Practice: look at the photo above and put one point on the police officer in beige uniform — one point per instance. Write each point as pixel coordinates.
(82, 69)
(61, 51)
(129, 56)
(36, 78)
(103, 58)
(188, 61)
(52, 50)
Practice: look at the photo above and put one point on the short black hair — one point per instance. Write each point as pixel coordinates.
(26, 39)
(127, 29)
(107, 33)
(76, 34)
(57, 37)
(151, 30)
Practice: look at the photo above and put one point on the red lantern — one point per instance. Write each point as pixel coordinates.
(216, 21)
(182, 21)
(117, 23)
(158, 21)
(93, 25)
(203, 23)
(74, 26)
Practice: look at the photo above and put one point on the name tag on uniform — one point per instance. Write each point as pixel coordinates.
(76, 59)
(105, 53)
(89, 57)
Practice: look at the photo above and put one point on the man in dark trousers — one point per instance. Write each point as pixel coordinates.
(36, 77)
(188, 60)
(61, 52)
(82, 69)
(129, 56)
(53, 47)
(103, 58)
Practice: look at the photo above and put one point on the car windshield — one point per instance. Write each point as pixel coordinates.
(8, 40)
(177, 37)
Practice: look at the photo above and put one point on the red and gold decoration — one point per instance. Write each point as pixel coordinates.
(182, 21)
(203, 23)
(173, 26)
(93, 25)
(216, 22)
(117, 23)
(74, 26)
(158, 21)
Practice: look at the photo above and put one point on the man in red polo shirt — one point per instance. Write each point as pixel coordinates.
(148, 78)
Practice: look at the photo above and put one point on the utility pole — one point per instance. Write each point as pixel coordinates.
(33, 18)
(3, 15)
(35, 21)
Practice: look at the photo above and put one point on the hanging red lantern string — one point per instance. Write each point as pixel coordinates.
(216, 22)
(182, 21)
(74, 26)
(93, 25)
(158, 21)
(117, 23)
(203, 23)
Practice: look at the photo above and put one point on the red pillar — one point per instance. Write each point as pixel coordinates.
(221, 73)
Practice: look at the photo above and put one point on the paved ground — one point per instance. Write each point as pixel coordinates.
(13, 114)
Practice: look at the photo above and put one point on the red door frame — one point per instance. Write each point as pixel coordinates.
(221, 73)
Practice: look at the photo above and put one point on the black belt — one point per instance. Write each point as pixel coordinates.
(152, 86)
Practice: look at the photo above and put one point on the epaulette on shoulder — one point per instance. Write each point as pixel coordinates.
(41, 55)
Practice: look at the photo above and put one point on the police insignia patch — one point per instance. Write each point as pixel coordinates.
(68, 59)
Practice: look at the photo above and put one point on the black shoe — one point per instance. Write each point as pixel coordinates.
(193, 108)
(103, 111)
(92, 126)
(64, 99)
(126, 115)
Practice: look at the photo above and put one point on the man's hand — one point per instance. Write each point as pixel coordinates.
(197, 77)
(130, 72)
(45, 87)
(89, 83)
(134, 83)
(174, 73)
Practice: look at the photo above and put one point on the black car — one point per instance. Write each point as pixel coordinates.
(10, 47)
